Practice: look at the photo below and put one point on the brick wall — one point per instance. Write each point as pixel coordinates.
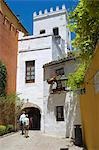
(8, 50)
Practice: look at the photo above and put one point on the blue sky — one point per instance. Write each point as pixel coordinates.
(25, 8)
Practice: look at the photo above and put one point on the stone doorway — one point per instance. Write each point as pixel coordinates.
(34, 118)
(34, 115)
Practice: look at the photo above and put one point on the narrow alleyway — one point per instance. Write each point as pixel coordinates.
(36, 141)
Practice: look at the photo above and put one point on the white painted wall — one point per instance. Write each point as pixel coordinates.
(63, 98)
(42, 50)
(51, 22)
(28, 43)
(39, 50)
(57, 52)
(48, 21)
(20, 35)
(51, 126)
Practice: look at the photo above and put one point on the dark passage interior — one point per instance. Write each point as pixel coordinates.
(34, 118)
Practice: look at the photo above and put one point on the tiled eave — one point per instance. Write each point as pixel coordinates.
(59, 61)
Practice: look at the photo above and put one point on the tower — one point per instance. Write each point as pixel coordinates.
(53, 22)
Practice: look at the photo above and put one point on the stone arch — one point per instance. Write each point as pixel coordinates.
(34, 113)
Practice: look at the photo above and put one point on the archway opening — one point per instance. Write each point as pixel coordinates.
(34, 117)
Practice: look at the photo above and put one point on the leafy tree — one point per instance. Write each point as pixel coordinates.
(84, 21)
(3, 74)
(10, 108)
(10, 105)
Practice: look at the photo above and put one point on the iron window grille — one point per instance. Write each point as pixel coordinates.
(30, 71)
(59, 113)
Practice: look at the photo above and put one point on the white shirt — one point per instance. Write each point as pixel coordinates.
(54, 85)
(22, 117)
(26, 121)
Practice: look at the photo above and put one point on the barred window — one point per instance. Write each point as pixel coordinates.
(59, 113)
(30, 71)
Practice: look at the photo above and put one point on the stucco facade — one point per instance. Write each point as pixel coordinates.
(49, 43)
(62, 98)
(49, 20)
(40, 50)
(89, 103)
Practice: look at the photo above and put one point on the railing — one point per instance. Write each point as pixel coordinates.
(58, 85)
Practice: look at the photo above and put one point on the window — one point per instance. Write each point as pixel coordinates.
(60, 71)
(30, 71)
(59, 113)
(56, 31)
(42, 31)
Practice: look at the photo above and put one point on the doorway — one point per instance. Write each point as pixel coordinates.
(34, 118)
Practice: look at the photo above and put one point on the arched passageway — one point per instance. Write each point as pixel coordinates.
(34, 117)
(34, 114)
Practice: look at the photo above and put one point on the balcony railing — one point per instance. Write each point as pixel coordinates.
(58, 84)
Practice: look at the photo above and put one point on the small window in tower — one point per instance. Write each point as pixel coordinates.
(56, 31)
(42, 31)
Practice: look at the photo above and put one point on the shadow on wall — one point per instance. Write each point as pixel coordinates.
(57, 99)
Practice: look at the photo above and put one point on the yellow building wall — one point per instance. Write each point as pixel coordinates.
(89, 103)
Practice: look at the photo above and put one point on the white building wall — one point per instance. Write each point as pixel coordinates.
(35, 43)
(43, 49)
(20, 35)
(40, 49)
(49, 20)
(57, 52)
(48, 23)
(71, 117)
(51, 126)
(61, 98)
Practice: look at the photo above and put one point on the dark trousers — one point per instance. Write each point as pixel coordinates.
(22, 128)
(26, 129)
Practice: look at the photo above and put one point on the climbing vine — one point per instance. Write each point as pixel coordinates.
(84, 21)
(76, 79)
(3, 74)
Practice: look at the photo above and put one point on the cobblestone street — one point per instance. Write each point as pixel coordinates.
(36, 141)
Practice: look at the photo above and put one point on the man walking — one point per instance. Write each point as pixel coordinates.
(22, 118)
(26, 125)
